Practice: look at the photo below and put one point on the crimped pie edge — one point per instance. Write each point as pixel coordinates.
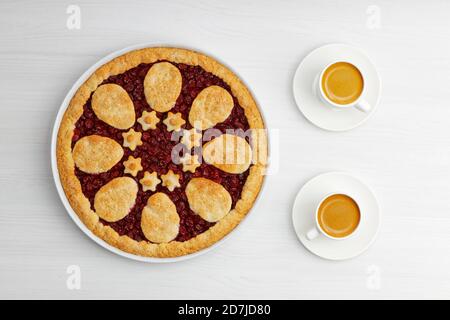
(72, 187)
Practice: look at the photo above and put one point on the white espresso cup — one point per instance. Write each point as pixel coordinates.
(317, 230)
(359, 104)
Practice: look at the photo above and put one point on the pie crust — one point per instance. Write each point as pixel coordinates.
(132, 139)
(162, 86)
(112, 104)
(160, 221)
(148, 120)
(171, 180)
(174, 121)
(190, 162)
(229, 153)
(162, 89)
(132, 166)
(211, 106)
(114, 200)
(96, 154)
(208, 199)
(150, 181)
(191, 138)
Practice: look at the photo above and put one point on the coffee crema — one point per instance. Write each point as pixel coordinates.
(338, 215)
(342, 83)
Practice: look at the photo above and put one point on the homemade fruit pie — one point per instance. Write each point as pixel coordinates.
(162, 152)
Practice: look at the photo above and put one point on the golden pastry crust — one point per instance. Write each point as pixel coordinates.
(160, 222)
(132, 139)
(114, 200)
(190, 162)
(148, 120)
(162, 86)
(150, 181)
(208, 199)
(72, 186)
(96, 154)
(211, 106)
(174, 121)
(112, 104)
(229, 153)
(191, 138)
(170, 180)
(132, 166)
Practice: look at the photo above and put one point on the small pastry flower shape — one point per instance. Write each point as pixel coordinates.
(149, 181)
(174, 121)
(191, 138)
(132, 139)
(190, 162)
(132, 166)
(170, 180)
(148, 120)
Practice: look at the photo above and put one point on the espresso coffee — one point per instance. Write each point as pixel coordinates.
(338, 215)
(342, 83)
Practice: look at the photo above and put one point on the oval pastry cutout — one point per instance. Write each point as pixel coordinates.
(229, 153)
(162, 86)
(160, 222)
(208, 199)
(115, 199)
(211, 106)
(96, 154)
(112, 104)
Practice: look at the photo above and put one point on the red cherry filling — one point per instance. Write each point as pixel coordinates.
(156, 149)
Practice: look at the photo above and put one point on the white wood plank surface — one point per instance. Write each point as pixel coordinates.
(402, 152)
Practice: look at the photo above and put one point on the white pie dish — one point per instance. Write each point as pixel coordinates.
(56, 176)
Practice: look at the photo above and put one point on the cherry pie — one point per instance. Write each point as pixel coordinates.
(162, 152)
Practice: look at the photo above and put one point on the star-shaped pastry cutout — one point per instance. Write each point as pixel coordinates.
(170, 180)
(174, 121)
(132, 166)
(148, 120)
(149, 181)
(190, 162)
(191, 138)
(132, 139)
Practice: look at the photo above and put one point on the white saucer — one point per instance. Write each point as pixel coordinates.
(308, 101)
(304, 210)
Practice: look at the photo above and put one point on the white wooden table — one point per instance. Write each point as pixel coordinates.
(402, 152)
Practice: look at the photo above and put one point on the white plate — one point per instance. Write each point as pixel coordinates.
(308, 101)
(55, 172)
(304, 210)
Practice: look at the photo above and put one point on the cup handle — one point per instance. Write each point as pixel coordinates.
(312, 234)
(363, 106)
